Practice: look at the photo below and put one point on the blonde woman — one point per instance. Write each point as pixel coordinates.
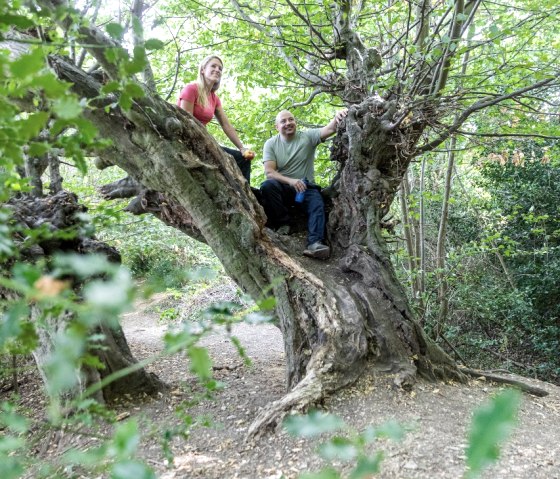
(199, 98)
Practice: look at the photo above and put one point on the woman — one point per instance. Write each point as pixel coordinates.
(199, 99)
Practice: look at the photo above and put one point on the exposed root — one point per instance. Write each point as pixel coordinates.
(535, 391)
(308, 391)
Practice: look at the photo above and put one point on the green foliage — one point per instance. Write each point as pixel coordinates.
(501, 256)
(354, 447)
(312, 424)
(491, 425)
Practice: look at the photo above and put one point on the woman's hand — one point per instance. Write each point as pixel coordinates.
(247, 154)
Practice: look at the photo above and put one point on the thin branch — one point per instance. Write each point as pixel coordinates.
(480, 105)
(508, 135)
(307, 22)
(315, 92)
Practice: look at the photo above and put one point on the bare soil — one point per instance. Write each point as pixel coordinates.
(437, 415)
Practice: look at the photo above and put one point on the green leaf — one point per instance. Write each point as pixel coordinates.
(62, 366)
(10, 467)
(494, 30)
(338, 448)
(125, 440)
(89, 458)
(14, 422)
(125, 102)
(200, 364)
(10, 443)
(28, 64)
(83, 265)
(367, 467)
(390, 430)
(312, 424)
(153, 44)
(33, 124)
(26, 274)
(16, 20)
(52, 86)
(131, 470)
(110, 295)
(11, 322)
(267, 304)
(491, 425)
(138, 62)
(134, 90)
(37, 148)
(110, 87)
(115, 30)
(67, 108)
(87, 130)
(137, 27)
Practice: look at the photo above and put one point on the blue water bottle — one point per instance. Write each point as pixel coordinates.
(300, 195)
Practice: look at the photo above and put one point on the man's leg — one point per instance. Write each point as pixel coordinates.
(243, 164)
(275, 198)
(315, 209)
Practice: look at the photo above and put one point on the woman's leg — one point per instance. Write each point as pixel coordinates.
(243, 164)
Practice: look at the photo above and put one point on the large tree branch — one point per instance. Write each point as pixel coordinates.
(308, 22)
(97, 42)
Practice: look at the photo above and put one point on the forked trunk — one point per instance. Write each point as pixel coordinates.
(350, 313)
(336, 316)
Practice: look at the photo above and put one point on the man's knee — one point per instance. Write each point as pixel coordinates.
(269, 186)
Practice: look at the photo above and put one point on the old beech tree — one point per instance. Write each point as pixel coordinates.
(406, 93)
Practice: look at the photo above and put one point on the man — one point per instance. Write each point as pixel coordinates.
(288, 161)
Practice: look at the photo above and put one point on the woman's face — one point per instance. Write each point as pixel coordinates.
(212, 71)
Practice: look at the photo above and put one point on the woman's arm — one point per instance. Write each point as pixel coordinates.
(229, 130)
(188, 106)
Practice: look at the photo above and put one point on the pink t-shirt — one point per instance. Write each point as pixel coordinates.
(190, 94)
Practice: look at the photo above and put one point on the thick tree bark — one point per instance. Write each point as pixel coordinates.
(337, 316)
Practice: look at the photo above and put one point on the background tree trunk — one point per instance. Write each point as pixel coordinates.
(59, 213)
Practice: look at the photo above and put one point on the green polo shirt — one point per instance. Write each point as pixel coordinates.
(294, 158)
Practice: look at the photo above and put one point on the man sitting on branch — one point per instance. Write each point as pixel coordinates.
(289, 168)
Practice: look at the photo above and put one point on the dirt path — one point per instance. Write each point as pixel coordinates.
(437, 416)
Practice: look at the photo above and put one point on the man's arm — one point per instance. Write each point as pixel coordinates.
(271, 172)
(330, 129)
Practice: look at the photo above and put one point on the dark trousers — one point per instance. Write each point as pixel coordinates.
(244, 164)
(278, 197)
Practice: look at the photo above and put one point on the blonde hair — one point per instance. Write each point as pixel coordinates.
(203, 93)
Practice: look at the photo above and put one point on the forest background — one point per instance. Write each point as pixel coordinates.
(490, 300)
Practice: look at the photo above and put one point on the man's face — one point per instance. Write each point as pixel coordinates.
(286, 124)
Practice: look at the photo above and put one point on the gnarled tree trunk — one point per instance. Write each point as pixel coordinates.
(337, 316)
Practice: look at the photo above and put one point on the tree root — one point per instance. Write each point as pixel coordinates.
(307, 392)
(527, 388)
